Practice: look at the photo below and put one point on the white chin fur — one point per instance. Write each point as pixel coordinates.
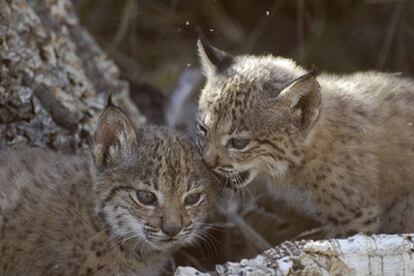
(276, 169)
(166, 245)
(252, 175)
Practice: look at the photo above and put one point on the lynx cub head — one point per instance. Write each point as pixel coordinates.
(151, 186)
(254, 114)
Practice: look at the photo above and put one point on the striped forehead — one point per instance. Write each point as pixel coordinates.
(223, 111)
(174, 167)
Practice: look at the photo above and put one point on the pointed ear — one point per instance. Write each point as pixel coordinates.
(304, 97)
(114, 136)
(212, 60)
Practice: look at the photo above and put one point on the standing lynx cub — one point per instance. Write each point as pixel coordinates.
(340, 147)
(146, 195)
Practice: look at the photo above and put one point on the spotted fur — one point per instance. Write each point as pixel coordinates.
(63, 215)
(339, 147)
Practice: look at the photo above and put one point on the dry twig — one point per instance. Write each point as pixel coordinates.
(389, 36)
(308, 234)
(126, 18)
(230, 211)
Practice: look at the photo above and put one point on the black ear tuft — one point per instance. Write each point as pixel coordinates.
(212, 59)
(109, 101)
(313, 71)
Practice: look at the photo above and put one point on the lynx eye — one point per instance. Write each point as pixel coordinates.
(192, 199)
(238, 143)
(146, 198)
(202, 129)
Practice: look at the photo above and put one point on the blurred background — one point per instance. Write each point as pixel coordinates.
(154, 44)
(153, 41)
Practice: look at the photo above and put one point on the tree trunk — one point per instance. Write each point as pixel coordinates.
(357, 255)
(54, 79)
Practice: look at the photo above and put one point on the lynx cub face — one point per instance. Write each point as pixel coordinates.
(144, 195)
(150, 185)
(241, 115)
(341, 146)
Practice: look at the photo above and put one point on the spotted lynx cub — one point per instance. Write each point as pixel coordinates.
(146, 195)
(340, 147)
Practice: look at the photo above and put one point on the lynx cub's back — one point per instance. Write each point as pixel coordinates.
(146, 194)
(342, 145)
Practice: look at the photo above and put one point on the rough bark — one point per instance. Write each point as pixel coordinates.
(54, 78)
(357, 255)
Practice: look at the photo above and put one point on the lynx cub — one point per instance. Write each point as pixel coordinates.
(146, 195)
(340, 147)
